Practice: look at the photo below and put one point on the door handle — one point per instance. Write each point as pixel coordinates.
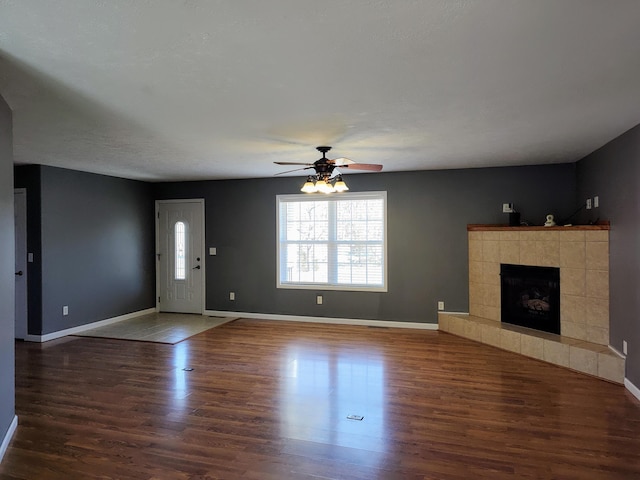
(19, 273)
(197, 267)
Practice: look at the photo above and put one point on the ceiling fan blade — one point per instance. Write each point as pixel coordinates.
(341, 161)
(363, 166)
(294, 170)
(292, 163)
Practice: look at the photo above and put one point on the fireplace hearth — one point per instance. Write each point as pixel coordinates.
(530, 297)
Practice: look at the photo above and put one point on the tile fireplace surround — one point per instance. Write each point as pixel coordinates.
(582, 255)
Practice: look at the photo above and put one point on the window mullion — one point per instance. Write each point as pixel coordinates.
(332, 245)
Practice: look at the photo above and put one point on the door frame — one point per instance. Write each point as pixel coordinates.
(23, 332)
(203, 264)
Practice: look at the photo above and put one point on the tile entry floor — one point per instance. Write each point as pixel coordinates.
(158, 327)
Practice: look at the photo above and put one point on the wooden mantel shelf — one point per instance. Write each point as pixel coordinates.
(482, 228)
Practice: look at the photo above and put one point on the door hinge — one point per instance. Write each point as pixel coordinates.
(158, 299)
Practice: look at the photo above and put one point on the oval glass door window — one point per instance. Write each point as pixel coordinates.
(180, 236)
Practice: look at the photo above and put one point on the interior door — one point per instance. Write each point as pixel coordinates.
(180, 256)
(20, 212)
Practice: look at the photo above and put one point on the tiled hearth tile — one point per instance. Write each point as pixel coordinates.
(492, 313)
(597, 236)
(472, 331)
(572, 254)
(611, 367)
(475, 250)
(475, 235)
(532, 347)
(475, 310)
(490, 251)
(597, 255)
(491, 335)
(597, 312)
(546, 235)
(548, 253)
(509, 235)
(572, 281)
(527, 236)
(456, 326)
(573, 309)
(443, 323)
(569, 236)
(491, 273)
(510, 340)
(583, 360)
(556, 353)
(509, 251)
(491, 235)
(598, 335)
(574, 330)
(491, 295)
(597, 283)
(475, 271)
(475, 293)
(528, 255)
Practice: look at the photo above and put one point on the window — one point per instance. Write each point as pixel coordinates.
(180, 236)
(336, 242)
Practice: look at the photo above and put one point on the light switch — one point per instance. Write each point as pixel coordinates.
(212, 251)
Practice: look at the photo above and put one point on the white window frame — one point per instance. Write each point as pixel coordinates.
(332, 197)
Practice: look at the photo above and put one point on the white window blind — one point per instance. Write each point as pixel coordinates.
(332, 242)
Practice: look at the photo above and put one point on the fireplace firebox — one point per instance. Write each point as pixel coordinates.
(530, 297)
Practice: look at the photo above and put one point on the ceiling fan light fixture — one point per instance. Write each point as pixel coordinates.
(309, 186)
(324, 186)
(340, 185)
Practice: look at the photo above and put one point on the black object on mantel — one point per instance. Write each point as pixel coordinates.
(514, 219)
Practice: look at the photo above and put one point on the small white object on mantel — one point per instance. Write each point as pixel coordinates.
(550, 221)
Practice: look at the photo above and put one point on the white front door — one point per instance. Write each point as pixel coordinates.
(180, 255)
(20, 205)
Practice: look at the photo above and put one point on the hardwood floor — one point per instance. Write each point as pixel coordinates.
(269, 400)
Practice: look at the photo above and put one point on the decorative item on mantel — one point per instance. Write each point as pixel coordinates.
(514, 215)
(550, 221)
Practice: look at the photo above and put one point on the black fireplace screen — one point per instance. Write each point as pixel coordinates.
(530, 297)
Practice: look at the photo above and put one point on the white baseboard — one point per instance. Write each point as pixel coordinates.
(340, 321)
(635, 391)
(88, 326)
(7, 438)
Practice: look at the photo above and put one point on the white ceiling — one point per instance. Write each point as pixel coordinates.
(193, 89)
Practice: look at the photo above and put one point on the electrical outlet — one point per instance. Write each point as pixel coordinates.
(319, 299)
(507, 208)
(596, 202)
(65, 310)
(232, 295)
(588, 204)
(624, 347)
(440, 305)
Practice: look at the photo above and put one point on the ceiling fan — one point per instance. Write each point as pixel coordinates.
(324, 166)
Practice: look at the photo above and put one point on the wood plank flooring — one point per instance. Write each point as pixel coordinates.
(269, 400)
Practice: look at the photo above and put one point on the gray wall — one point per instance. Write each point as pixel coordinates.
(97, 247)
(613, 173)
(428, 213)
(7, 270)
